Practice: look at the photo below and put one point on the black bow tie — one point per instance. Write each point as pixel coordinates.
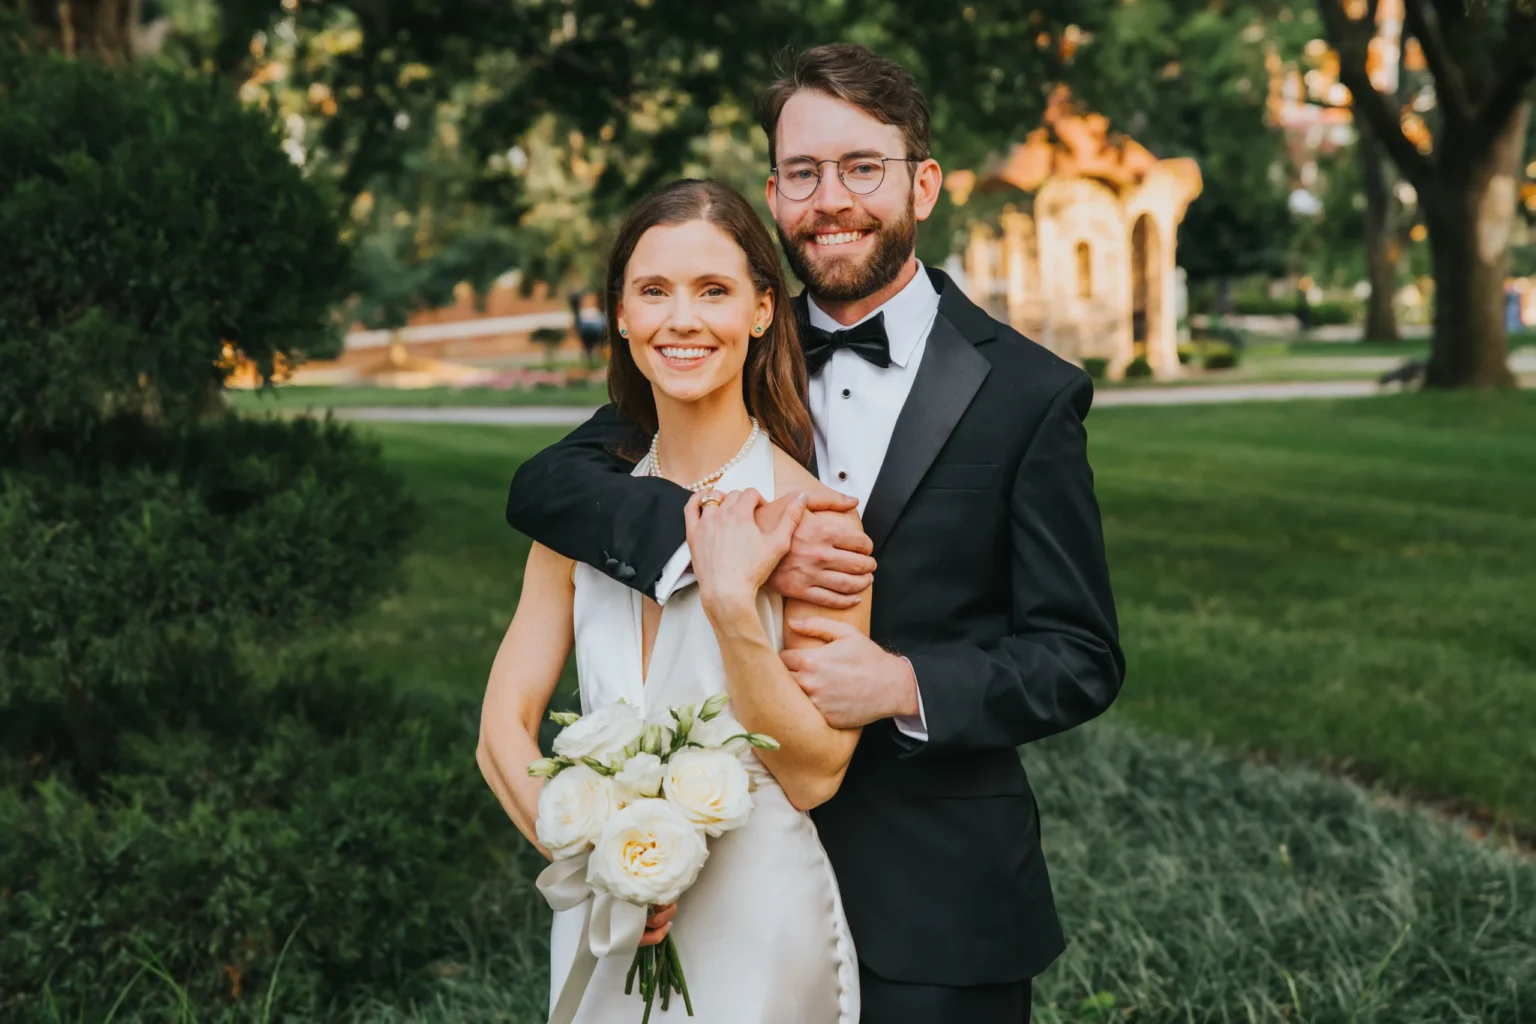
(867, 339)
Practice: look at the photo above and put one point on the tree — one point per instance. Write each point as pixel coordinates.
(1463, 159)
(1190, 79)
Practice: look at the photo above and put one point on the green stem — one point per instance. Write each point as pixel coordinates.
(629, 979)
(648, 989)
(664, 979)
(677, 970)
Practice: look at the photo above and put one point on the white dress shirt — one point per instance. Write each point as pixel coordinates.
(854, 405)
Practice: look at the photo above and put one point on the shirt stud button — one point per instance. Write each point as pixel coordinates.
(847, 393)
(841, 475)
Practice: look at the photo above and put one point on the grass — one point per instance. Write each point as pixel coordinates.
(1336, 583)
(1341, 582)
(296, 398)
(1195, 887)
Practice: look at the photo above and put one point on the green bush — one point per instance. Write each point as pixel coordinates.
(343, 817)
(1326, 313)
(1221, 359)
(128, 577)
(148, 218)
(1095, 367)
(1138, 368)
(171, 790)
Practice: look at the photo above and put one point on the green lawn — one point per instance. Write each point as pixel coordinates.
(1348, 582)
(1343, 583)
(294, 398)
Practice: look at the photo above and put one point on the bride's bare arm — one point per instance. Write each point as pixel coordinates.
(523, 678)
(732, 558)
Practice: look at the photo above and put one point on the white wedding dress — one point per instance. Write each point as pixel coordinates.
(761, 934)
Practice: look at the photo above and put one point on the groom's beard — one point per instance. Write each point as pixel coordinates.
(845, 279)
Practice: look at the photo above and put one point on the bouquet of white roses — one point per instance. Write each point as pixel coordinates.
(638, 799)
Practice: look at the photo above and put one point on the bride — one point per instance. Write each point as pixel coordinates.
(709, 370)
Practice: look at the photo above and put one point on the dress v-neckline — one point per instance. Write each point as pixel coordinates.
(642, 669)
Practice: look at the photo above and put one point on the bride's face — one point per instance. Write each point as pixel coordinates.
(689, 309)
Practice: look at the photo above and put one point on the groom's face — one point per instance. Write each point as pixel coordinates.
(842, 244)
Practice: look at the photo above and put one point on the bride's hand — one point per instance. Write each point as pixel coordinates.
(733, 556)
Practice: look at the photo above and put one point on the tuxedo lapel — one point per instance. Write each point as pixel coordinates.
(947, 379)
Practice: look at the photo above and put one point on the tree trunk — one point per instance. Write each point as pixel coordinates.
(1381, 249)
(100, 30)
(1470, 213)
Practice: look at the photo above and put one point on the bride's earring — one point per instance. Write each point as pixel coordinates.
(758, 329)
(623, 332)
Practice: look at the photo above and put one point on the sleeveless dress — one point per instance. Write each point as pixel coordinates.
(761, 934)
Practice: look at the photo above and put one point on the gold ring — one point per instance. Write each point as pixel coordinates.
(711, 500)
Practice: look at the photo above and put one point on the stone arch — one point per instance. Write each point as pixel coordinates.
(1147, 270)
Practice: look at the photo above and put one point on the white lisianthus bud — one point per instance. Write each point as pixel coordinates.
(545, 768)
(573, 808)
(640, 778)
(656, 739)
(714, 706)
(564, 718)
(762, 741)
(684, 714)
(602, 735)
(710, 787)
(648, 854)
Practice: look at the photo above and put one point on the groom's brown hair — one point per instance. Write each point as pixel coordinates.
(854, 74)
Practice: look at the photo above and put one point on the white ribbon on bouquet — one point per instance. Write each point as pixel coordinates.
(609, 927)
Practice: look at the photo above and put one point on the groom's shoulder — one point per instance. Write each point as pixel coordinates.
(1028, 371)
(1021, 366)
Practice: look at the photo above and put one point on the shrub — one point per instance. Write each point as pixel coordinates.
(1095, 367)
(335, 820)
(1138, 368)
(1326, 313)
(162, 796)
(148, 218)
(1221, 359)
(1186, 355)
(128, 577)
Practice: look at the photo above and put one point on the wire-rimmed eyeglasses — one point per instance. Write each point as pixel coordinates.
(799, 177)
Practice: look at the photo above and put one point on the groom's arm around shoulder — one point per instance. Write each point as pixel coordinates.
(578, 497)
(1061, 663)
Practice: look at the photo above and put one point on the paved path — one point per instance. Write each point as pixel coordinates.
(558, 416)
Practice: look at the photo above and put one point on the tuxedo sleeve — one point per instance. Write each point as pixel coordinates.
(1061, 664)
(578, 497)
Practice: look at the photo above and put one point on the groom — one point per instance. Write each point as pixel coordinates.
(993, 623)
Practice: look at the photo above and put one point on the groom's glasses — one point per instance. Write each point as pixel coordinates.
(799, 177)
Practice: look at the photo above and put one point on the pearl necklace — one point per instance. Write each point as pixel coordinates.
(654, 467)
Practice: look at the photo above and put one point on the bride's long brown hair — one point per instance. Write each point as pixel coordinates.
(773, 381)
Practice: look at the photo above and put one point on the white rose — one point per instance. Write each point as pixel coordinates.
(717, 730)
(601, 735)
(648, 854)
(573, 808)
(710, 787)
(639, 778)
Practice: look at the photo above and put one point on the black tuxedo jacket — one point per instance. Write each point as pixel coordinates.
(991, 581)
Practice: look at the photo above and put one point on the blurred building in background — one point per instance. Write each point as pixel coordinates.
(1081, 253)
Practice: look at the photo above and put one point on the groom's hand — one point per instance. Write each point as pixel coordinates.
(852, 680)
(829, 561)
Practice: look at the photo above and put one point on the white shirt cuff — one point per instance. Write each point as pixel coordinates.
(915, 726)
(677, 573)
